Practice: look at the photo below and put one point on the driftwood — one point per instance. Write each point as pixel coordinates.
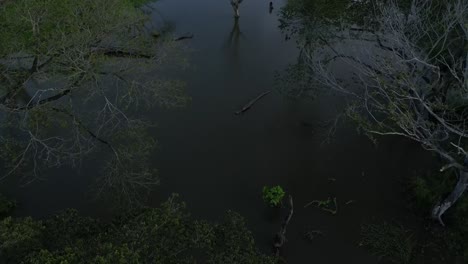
(251, 103)
(280, 237)
(186, 36)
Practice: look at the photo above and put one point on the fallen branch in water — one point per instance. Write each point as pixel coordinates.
(280, 237)
(186, 36)
(251, 103)
(328, 205)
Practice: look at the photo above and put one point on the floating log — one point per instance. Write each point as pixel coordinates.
(251, 103)
(186, 36)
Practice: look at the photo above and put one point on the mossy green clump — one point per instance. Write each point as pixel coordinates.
(273, 195)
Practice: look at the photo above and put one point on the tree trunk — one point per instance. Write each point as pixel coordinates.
(235, 5)
(448, 202)
(280, 237)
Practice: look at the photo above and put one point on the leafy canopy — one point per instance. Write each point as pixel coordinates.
(75, 77)
(151, 235)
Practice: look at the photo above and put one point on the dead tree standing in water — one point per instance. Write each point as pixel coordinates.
(235, 5)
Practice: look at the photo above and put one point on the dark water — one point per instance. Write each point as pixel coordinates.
(218, 161)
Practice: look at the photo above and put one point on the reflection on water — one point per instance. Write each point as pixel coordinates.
(233, 42)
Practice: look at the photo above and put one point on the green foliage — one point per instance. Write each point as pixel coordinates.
(67, 256)
(138, 3)
(127, 177)
(102, 52)
(68, 229)
(164, 235)
(233, 243)
(273, 195)
(303, 17)
(19, 236)
(427, 189)
(295, 82)
(35, 26)
(390, 241)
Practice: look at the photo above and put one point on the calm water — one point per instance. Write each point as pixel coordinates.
(218, 161)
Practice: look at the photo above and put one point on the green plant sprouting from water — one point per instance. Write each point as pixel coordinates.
(273, 195)
(330, 205)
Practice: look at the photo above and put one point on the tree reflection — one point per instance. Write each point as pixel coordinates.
(315, 26)
(232, 45)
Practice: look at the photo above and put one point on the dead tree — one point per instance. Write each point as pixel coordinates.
(413, 73)
(235, 6)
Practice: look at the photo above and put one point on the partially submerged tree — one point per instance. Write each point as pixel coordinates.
(235, 6)
(74, 78)
(410, 76)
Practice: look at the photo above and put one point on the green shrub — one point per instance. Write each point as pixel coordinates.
(165, 235)
(273, 195)
(19, 237)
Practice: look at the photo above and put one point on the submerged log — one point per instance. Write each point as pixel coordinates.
(251, 103)
(186, 36)
(280, 238)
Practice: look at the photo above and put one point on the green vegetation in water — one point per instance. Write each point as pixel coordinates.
(150, 235)
(273, 196)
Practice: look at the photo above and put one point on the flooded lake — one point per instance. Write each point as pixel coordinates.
(220, 161)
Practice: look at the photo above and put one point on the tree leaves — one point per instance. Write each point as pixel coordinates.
(165, 235)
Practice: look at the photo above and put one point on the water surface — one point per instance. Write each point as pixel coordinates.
(218, 161)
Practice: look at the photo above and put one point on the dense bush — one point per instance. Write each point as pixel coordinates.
(151, 235)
